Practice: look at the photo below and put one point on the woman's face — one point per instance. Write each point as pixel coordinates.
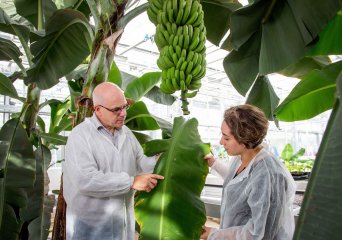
(229, 142)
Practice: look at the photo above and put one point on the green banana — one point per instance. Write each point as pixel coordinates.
(196, 70)
(180, 41)
(200, 46)
(179, 16)
(154, 8)
(178, 51)
(186, 11)
(169, 27)
(190, 56)
(199, 20)
(192, 18)
(183, 67)
(195, 59)
(194, 8)
(174, 59)
(170, 15)
(179, 30)
(182, 85)
(188, 79)
(189, 67)
(175, 84)
(191, 94)
(174, 28)
(183, 53)
(180, 62)
(194, 43)
(171, 39)
(186, 42)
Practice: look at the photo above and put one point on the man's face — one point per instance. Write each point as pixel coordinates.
(113, 115)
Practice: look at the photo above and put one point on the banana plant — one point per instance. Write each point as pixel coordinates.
(174, 210)
(320, 212)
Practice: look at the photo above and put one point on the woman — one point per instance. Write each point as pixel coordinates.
(258, 191)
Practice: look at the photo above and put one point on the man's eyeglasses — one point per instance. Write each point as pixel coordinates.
(117, 109)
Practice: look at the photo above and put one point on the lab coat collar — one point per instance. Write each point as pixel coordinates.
(119, 131)
(245, 173)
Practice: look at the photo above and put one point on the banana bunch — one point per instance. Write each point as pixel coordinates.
(180, 37)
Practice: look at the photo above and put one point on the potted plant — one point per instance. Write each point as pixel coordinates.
(299, 168)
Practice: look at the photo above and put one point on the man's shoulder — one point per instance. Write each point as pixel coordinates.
(83, 127)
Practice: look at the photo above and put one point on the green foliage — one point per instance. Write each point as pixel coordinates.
(17, 159)
(173, 209)
(313, 95)
(293, 162)
(321, 211)
(66, 43)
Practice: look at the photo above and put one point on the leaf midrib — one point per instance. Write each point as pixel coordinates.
(168, 169)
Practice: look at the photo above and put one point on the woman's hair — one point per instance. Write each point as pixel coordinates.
(247, 123)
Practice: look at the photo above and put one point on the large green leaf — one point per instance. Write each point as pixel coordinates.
(156, 95)
(115, 75)
(236, 63)
(41, 204)
(30, 10)
(217, 18)
(137, 88)
(141, 137)
(311, 96)
(330, 38)
(7, 88)
(174, 210)
(54, 138)
(263, 96)
(138, 118)
(305, 65)
(268, 36)
(66, 44)
(18, 167)
(10, 51)
(321, 212)
(287, 152)
(58, 111)
(9, 26)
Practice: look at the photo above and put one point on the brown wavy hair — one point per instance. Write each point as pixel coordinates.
(248, 124)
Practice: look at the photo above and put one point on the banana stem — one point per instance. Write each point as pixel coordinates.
(185, 103)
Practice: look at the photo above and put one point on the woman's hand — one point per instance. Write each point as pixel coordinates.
(205, 232)
(210, 159)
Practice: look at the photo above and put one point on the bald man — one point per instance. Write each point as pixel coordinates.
(104, 165)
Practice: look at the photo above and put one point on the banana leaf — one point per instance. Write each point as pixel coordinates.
(313, 95)
(10, 51)
(263, 96)
(41, 204)
(137, 88)
(174, 210)
(214, 12)
(7, 88)
(29, 9)
(17, 168)
(321, 212)
(66, 43)
(330, 38)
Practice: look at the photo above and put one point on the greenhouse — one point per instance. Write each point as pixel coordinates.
(170, 119)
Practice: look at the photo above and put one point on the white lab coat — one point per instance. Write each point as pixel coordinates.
(97, 183)
(257, 203)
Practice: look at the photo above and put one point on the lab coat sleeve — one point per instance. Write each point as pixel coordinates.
(81, 168)
(221, 169)
(259, 192)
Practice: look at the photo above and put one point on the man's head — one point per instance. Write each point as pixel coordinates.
(110, 105)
